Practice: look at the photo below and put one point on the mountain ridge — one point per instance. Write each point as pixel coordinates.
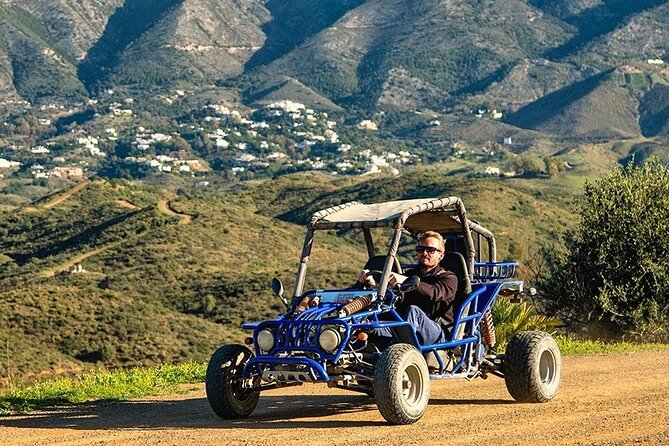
(353, 52)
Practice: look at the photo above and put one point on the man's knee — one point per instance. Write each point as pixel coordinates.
(428, 331)
(413, 314)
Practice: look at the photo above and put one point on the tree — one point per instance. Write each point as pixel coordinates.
(610, 276)
(552, 166)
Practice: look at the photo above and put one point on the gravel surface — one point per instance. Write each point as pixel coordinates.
(617, 399)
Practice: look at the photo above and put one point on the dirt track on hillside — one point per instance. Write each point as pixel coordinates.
(71, 263)
(604, 400)
(59, 199)
(165, 208)
(127, 204)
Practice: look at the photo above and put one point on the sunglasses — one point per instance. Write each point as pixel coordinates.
(429, 249)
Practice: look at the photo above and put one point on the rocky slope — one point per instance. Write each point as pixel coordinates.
(366, 54)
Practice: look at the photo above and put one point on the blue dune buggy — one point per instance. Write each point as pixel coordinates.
(324, 335)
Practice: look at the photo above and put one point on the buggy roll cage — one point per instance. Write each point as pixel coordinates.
(412, 217)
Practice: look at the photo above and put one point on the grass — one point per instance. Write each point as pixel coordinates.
(105, 385)
(102, 385)
(570, 346)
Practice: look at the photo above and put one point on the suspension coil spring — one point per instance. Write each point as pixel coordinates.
(488, 329)
(354, 306)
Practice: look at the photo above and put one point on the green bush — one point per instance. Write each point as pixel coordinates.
(510, 318)
(609, 276)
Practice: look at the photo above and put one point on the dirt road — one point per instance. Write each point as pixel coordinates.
(59, 199)
(604, 400)
(71, 263)
(127, 204)
(165, 208)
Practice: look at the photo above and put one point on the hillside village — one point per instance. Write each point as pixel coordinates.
(117, 136)
(513, 96)
(279, 136)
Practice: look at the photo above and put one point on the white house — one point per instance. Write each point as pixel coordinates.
(6, 164)
(344, 165)
(246, 158)
(287, 105)
(367, 124)
(490, 170)
(96, 151)
(222, 144)
(160, 137)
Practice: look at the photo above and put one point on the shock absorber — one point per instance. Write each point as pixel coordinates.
(488, 329)
(354, 306)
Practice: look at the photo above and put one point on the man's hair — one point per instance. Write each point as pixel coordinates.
(434, 235)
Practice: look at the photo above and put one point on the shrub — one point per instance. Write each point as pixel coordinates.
(510, 318)
(609, 276)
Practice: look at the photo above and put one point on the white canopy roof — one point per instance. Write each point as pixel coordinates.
(417, 215)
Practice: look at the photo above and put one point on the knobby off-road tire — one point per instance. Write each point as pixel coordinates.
(401, 384)
(532, 367)
(225, 393)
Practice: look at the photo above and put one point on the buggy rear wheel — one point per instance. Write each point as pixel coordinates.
(532, 367)
(226, 393)
(401, 384)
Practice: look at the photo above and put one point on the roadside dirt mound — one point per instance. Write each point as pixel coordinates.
(604, 400)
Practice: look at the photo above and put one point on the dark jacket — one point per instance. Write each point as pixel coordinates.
(434, 295)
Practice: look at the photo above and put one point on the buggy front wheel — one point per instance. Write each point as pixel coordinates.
(226, 393)
(532, 367)
(401, 384)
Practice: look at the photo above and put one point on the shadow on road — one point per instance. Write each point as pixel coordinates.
(273, 412)
(479, 402)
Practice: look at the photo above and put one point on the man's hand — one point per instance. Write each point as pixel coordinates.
(392, 281)
(366, 279)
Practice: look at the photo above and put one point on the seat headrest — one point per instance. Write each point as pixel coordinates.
(378, 262)
(455, 262)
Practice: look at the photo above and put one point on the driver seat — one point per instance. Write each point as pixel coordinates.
(455, 262)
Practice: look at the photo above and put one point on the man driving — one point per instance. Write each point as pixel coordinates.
(432, 299)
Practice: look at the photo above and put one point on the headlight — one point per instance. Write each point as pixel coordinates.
(329, 339)
(265, 340)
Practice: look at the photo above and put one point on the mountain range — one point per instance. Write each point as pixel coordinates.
(549, 66)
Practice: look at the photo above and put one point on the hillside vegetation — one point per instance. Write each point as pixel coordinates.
(510, 105)
(151, 290)
(616, 104)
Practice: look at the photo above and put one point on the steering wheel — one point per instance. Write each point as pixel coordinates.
(376, 275)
